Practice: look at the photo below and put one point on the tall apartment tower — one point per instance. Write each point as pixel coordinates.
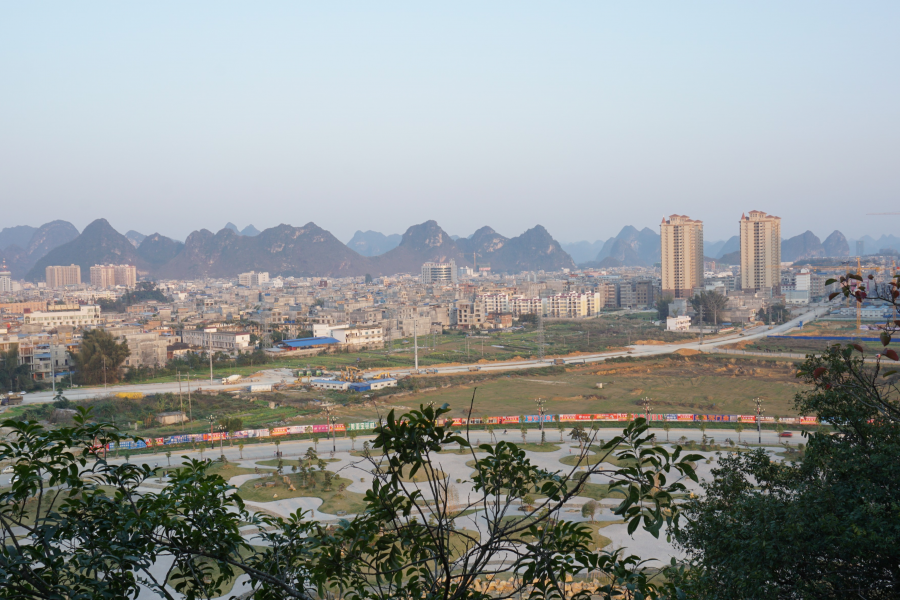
(682, 255)
(760, 251)
(107, 276)
(433, 272)
(58, 276)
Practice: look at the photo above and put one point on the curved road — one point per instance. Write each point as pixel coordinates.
(286, 375)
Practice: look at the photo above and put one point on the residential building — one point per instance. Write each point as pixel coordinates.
(433, 272)
(147, 349)
(58, 276)
(5, 279)
(65, 314)
(681, 255)
(469, 314)
(253, 279)
(526, 305)
(679, 323)
(230, 342)
(760, 251)
(108, 276)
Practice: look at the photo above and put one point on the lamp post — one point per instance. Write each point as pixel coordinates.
(540, 405)
(221, 429)
(333, 437)
(211, 419)
(759, 412)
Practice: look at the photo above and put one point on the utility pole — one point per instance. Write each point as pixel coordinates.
(333, 437)
(52, 369)
(209, 351)
(190, 406)
(180, 398)
(759, 412)
(540, 335)
(416, 338)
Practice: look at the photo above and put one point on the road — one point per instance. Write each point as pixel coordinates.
(285, 375)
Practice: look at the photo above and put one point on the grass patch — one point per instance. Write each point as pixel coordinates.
(332, 500)
(211, 568)
(287, 464)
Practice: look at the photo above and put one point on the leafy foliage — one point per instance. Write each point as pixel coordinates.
(99, 357)
(824, 527)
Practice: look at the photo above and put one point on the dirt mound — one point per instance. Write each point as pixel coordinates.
(687, 352)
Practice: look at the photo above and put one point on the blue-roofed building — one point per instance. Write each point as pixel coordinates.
(308, 342)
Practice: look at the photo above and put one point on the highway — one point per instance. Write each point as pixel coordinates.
(285, 375)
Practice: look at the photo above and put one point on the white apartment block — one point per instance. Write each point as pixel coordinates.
(573, 305)
(5, 279)
(439, 272)
(494, 303)
(230, 342)
(353, 336)
(108, 276)
(470, 315)
(82, 316)
(58, 276)
(525, 305)
(253, 279)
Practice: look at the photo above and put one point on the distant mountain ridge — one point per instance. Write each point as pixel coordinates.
(307, 251)
(373, 243)
(21, 258)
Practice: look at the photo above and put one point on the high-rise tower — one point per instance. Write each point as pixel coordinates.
(760, 251)
(682, 255)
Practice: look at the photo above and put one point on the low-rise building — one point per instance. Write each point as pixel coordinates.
(71, 315)
(229, 342)
(679, 323)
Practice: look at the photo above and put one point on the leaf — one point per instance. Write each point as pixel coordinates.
(819, 372)
(891, 354)
(833, 295)
(830, 281)
(885, 338)
(858, 348)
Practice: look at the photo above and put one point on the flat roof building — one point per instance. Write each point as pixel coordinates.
(58, 276)
(682, 255)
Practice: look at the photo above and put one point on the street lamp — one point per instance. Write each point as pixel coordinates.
(759, 412)
(221, 429)
(540, 405)
(333, 437)
(211, 419)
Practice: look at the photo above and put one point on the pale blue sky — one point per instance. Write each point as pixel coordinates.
(581, 116)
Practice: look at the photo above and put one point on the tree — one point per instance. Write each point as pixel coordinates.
(368, 279)
(169, 458)
(662, 306)
(13, 376)
(241, 449)
(560, 427)
(712, 302)
(578, 435)
(524, 432)
(352, 441)
(490, 430)
(368, 556)
(589, 509)
(739, 427)
(667, 427)
(99, 357)
(830, 520)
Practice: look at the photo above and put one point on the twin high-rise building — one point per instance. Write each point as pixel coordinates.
(58, 276)
(760, 251)
(682, 253)
(107, 276)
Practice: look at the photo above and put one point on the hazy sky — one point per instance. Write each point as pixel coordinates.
(581, 116)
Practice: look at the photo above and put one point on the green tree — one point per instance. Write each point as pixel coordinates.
(739, 427)
(713, 304)
(368, 556)
(241, 450)
(99, 357)
(13, 376)
(368, 279)
(662, 306)
(523, 431)
(824, 527)
(589, 509)
(667, 427)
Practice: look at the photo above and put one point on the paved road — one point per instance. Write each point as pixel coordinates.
(279, 375)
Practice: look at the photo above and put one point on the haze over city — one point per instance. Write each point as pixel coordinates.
(470, 301)
(583, 118)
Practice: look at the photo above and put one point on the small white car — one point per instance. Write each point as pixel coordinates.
(7, 469)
